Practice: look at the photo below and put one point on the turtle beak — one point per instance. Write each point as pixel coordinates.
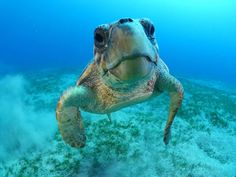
(128, 40)
(132, 68)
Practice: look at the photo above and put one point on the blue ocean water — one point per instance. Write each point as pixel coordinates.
(196, 38)
(44, 46)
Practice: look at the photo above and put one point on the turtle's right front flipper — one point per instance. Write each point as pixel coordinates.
(68, 115)
(166, 82)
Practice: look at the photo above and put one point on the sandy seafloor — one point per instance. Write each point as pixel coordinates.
(203, 140)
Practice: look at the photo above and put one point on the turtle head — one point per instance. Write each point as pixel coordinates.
(126, 49)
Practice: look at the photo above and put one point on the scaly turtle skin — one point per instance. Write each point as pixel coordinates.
(126, 70)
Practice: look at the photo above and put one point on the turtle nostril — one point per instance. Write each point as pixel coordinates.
(130, 20)
(124, 20)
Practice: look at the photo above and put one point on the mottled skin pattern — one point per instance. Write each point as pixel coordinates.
(126, 70)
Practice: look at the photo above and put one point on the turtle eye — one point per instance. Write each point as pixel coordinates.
(100, 36)
(148, 27)
(151, 30)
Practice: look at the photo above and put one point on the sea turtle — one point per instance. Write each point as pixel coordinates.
(126, 69)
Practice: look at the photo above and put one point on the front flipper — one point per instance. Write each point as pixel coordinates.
(167, 82)
(68, 115)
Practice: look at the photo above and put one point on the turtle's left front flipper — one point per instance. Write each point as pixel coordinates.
(68, 115)
(167, 82)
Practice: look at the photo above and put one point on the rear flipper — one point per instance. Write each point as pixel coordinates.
(167, 82)
(69, 118)
(109, 117)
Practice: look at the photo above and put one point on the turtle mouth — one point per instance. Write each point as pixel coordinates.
(132, 67)
(130, 57)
